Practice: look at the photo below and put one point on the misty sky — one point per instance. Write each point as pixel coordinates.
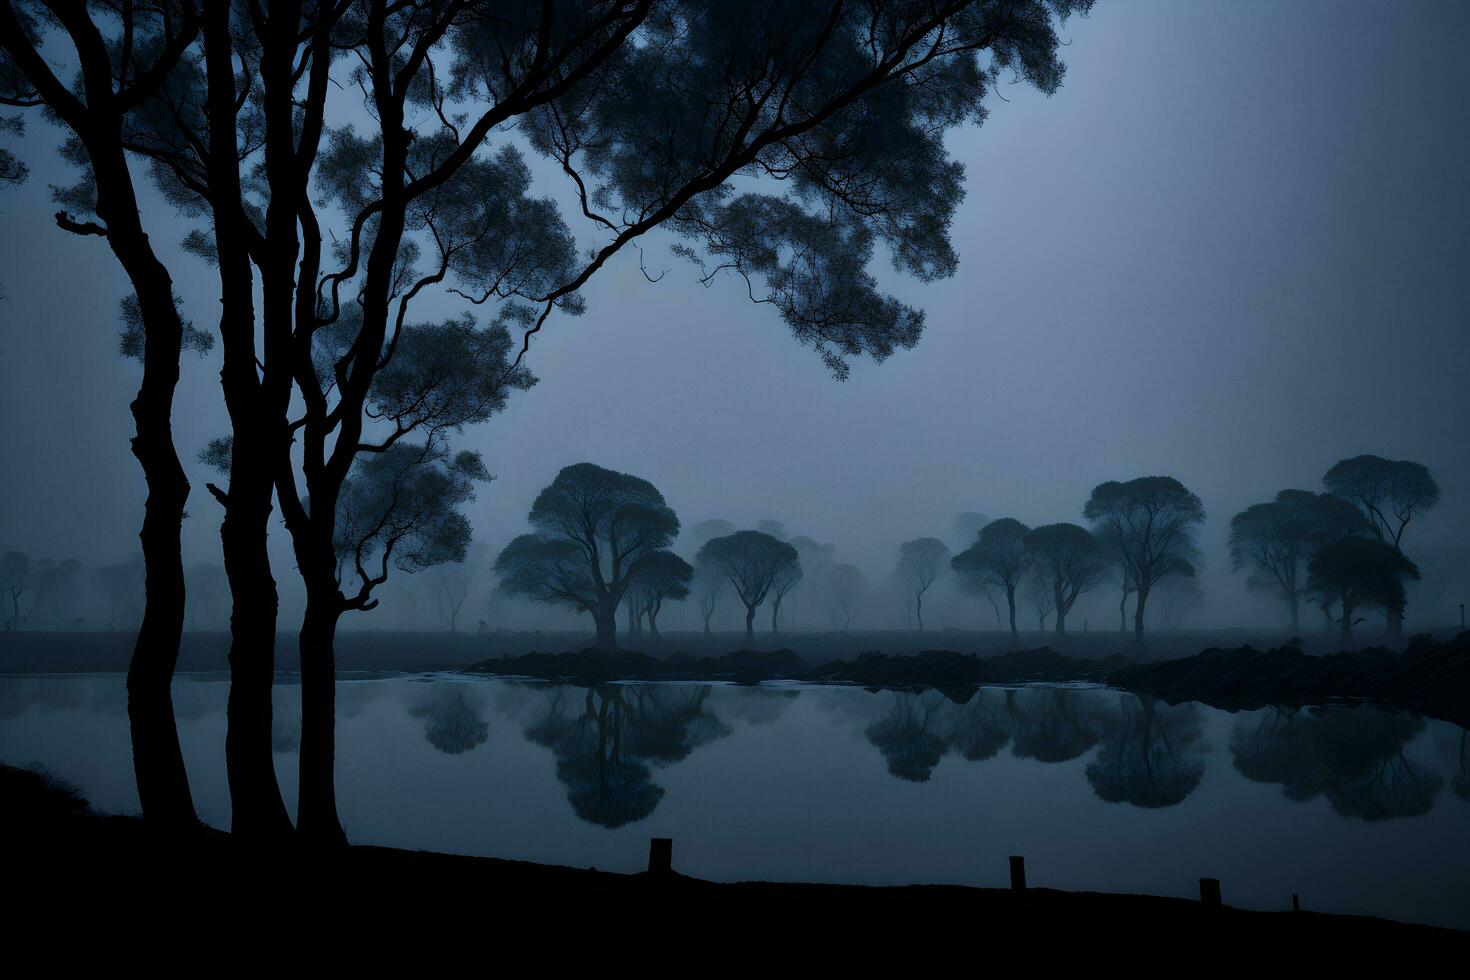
(1232, 249)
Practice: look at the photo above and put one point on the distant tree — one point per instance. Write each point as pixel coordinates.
(1121, 574)
(1069, 559)
(817, 561)
(1275, 540)
(753, 562)
(1150, 521)
(709, 586)
(920, 562)
(774, 528)
(997, 558)
(122, 585)
(786, 579)
(1037, 590)
(55, 583)
(1390, 492)
(1151, 757)
(454, 721)
(593, 525)
(208, 591)
(1175, 598)
(846, 584)
(660, 577)
(703, 531)
(967, 527)
(450, 585)
(1360, 573)
(15, 572)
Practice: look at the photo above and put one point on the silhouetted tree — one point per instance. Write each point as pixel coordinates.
(1275, 540)
(913, 736)
(1036, 589)
(1357, 574)
(450, 584)
(1052, 724)
(1150, 521)
(997, 558)
(752, 562)
(651, 110)
(709, 586)
(920, 562)
(122, 62)
(1389, 492)
(593, 525)
(660, 577)
(1069, 559)
(787, 578)
(15, 573)
(846, 583)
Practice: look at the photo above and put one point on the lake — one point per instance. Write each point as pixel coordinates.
(1354, 808)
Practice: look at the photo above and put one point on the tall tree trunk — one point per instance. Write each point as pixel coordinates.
(1395, 626)
(775, 617)
(1011, 603)
(706, 622)
(919, 610)
(1296, 618)
(1061, 609)
(1138, 606)
(256, 807)
(1347, 627)
(316, 808)
(1123, 614)
(606, 618)
(750, 625)
(158, 760)
(653, 623)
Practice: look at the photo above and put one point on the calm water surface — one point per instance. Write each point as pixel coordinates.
(1357, 809)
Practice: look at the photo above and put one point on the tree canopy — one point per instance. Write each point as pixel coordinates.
(997, 558)
(1149, 522)
(753, 562)
(1360, 573)
(593, 526)
(1274, 540)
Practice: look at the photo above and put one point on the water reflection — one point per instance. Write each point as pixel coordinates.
(453, 716)
(1151, 755)
(605, 739)
(1353, 756)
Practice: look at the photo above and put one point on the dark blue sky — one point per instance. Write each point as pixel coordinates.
(1232, 249)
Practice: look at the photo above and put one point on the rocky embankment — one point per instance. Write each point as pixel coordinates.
(1429, 677)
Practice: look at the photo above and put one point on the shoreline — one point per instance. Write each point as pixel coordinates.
(55, 842)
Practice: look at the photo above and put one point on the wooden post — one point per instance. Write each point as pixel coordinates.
(1018, 873)
(1296, 902)
(661, 855)
(1209, 892)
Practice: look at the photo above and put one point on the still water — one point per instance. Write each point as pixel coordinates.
(1354, 808)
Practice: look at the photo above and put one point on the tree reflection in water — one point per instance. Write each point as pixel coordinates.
(604, 740)
(1151, 755)
(453, 716)
(1354, 756)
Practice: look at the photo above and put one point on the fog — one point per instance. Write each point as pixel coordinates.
(1231, 249)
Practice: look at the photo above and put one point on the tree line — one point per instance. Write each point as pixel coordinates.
(343, 405)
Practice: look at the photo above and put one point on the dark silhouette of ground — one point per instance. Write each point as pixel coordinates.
(84, 875)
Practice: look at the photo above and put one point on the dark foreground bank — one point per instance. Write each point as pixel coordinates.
(79, 870)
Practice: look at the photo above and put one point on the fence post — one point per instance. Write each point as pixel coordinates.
(1018, 873)
(661, 855)
(1209, 892)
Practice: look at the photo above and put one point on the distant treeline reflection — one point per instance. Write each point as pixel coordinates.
(609, 742)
